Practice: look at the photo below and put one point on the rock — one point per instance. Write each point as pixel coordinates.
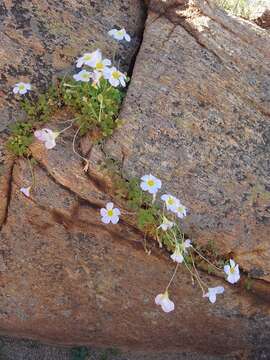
(40, 40)
(71, 280)
(66, 278)
(197, 116)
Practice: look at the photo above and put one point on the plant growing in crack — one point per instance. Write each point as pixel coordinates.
(92, 95)
(94, 98)
(162, 220)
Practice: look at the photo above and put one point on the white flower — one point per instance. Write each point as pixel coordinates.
(181, 211)
(172, 203)
(119, 34)
(89, 59)
(102, 65)
(150, 183)
(21, 88)
(83, 75)
(166, 225)
(115, 76)
(180, 250)
(212, 293)
(163, 300)
(177, 256)
(232, 272)
(26, 191)
(110, 214)
(186, 244)
(47, 136)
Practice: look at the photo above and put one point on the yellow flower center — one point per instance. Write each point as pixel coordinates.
(110, 213)
(180, 209)
(170, 201)
(150, 183)
(99, 66)
(87, 57)
(116, 75)
(120, 32)
(21, 87)
(85, 75)
(232, 270)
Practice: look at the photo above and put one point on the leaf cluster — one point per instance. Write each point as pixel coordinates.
(96, 107)
(40, 109)
(20, 139)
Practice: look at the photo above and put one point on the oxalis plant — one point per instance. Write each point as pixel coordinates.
(93, 94)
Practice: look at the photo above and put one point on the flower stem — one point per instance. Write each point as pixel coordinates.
(32, 173)
(204, 258)
(196, 277)
(68, 127)
(171, 280)
(75, 152)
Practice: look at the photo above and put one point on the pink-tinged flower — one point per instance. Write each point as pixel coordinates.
(47, 136)
(26, 191)
(212, 293)
(21, 88)
(110, 214)
(232, 272)
(150, 183)
(163, 300)
(119, 34)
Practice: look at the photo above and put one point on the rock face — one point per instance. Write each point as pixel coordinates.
(42, 38)
(200, 121)
(196, 115)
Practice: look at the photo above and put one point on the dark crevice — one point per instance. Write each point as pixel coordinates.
(134, 56)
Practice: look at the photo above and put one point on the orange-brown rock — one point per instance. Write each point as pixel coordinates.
(199, 120)
(196, 115)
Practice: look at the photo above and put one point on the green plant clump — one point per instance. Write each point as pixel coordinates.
(20, 139)
(95, 107)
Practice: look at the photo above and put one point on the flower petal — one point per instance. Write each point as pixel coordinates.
(158, 299)
(227, 269)
(109, 206)
(103, 212)
(167, 305)
(106, 219)
(116, 212)
(114, 219)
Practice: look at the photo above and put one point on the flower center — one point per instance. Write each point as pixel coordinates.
(21, 87)
(87, 57)
(116, 75)
(150, 183)
(120, 32)
(170, 201)
(99, 66)
(232, 270)
(110, 213)
(181, 209)
(85, 76)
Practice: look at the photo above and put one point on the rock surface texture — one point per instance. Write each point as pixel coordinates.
(200, 121)
(197, 116)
